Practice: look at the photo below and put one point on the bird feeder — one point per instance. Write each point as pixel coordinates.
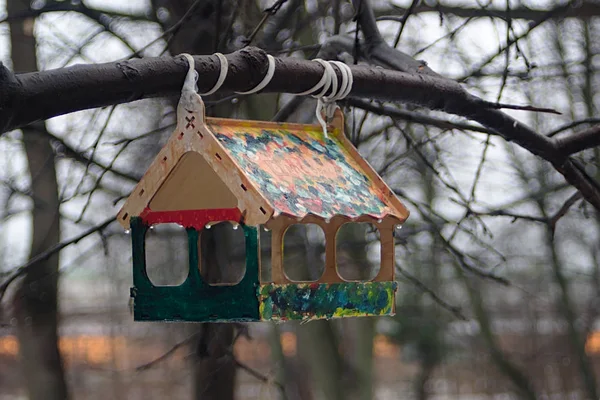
(257, 173)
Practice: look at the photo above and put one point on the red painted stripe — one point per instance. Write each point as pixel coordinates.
(191, 218)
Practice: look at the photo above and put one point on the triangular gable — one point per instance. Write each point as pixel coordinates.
(192, 185)
(194, 157)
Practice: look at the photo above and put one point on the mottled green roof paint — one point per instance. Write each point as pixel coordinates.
(304, 301)
(300, 172)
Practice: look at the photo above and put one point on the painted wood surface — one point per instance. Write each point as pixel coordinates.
(194, 299)
(318, 300)
(254, 173)
(191, 218)
(171, 165)
(301, 172)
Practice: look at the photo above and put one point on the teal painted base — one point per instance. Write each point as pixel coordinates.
(194, 299)
(314, 300)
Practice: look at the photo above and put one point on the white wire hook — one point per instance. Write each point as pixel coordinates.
(266, 79)
(327, 83)
(326, 104)
(189, 84)
(191, 79)
(324, 84)
(224, 64)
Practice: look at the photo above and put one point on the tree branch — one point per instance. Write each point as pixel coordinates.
(63, 6)
(49, 252)
(579, 141)
(455, 310)
(583, 10)
(26, 98)
(415, 117)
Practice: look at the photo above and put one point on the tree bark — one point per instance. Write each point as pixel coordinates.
(506, 367)
(425, 372)
(35, 303)
(30, 97)
(568, 311)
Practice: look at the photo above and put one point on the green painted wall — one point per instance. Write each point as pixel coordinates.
(194, 299)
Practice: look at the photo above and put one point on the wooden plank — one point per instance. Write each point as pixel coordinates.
(388, 253)
(192, 185)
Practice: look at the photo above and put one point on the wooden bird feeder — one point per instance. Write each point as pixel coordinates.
(260, 173)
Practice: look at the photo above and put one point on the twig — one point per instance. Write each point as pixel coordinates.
(262, 377)
(169, 353)
(584, 10)
(403, 20)
(480, 168)
(267, 13)
(559, 10)
(462, 260)
(498, 106)
(573, 125)
(562, 211)
(171, 31)
(502, 213)
(414, 117)
(51, 251)
(441, 302)
(464, 263)
(97, 183)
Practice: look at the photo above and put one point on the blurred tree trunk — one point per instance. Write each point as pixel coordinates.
(353, 259)
(214, 367)
(317, 340)
(203, 24)
(504, 365)
(425, 372)
(567, 309)
(35, 302)
(318, 344)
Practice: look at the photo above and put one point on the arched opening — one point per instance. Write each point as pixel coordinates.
(358, 251)
(167, 256)
(304, 252)
(222, 253)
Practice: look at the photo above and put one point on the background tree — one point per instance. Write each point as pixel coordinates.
(498, 264)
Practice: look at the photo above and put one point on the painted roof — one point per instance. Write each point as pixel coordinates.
(266, 169)
(299, 171)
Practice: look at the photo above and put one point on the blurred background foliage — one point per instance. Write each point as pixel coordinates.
(498, 265)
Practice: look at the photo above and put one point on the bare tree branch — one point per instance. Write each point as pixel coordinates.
(582, 10)
(411, 116)
(79, 7)
(167, 354)
(455, 310)
(49, 252)
(34, 96)
(579, 141)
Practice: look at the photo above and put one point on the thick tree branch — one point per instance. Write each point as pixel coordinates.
(579, 141)
(484, 112)
(583, 10)
(26, 98)
(378, 50)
